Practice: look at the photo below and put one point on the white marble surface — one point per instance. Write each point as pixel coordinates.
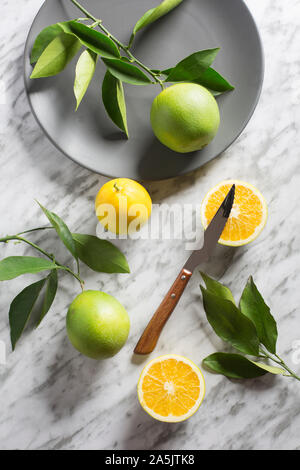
(54, 398)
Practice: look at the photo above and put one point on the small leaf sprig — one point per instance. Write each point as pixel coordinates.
(56, 45)
(250, 328)
(99, 255)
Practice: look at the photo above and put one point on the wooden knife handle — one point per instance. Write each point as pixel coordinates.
(149, 338)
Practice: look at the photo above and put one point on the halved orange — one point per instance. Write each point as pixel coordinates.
(171, 388)
(248, 214)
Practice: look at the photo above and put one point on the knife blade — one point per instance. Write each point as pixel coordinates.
(212, 233)
(150, 336)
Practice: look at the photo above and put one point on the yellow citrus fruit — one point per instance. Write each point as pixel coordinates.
(123, 205)
(248, 214)
(185, 117)
(171, 388)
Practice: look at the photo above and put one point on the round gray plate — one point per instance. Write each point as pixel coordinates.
(92, 140)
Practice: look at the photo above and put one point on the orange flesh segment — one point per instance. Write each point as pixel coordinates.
(246, 214)
(170, 387)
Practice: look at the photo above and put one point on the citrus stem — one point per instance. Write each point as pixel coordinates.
(122, 46)
(281, 363)
(45, 253)
(35, 230)
(47, 228)
(287, 368)
(131, 40)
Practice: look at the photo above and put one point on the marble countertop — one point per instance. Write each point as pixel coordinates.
(54, 398)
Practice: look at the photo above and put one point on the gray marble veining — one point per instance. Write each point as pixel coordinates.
(54, 398)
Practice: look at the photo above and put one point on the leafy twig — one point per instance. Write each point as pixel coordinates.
(282, 364)
(99, 255)
(56, 45)
(122, 46)
(249, 328)
(41, 250)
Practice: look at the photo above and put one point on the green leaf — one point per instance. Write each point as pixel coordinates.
(114, 101)
(211, 80)
(154, 14)
(214, 82)
(62, 230)
(271, 369)
(253, 306)
(234, 366)
(100, 255)
(56, 56)
(43, 40)
(164, 72)
(21, 308)
(84, 73)
(192, 66)
(217, 288)
(126, 72)
(15, 266)
(93, 40)
(51, 289)
(230, 324)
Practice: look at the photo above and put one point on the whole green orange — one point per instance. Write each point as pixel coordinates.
(185, 117)
(97, 324)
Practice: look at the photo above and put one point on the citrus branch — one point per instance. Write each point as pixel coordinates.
(132, 58)
(281, 363)
(41, 250)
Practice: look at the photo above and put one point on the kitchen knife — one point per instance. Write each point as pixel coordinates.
(149, 338)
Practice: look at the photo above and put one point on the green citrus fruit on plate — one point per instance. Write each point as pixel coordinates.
(97, 324)
(171, 388)
(185, 117)
(248, 215)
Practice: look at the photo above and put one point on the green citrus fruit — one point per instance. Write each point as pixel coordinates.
(97, 324)
(185, 117)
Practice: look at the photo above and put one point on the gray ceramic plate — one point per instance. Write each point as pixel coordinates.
(91, 139)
